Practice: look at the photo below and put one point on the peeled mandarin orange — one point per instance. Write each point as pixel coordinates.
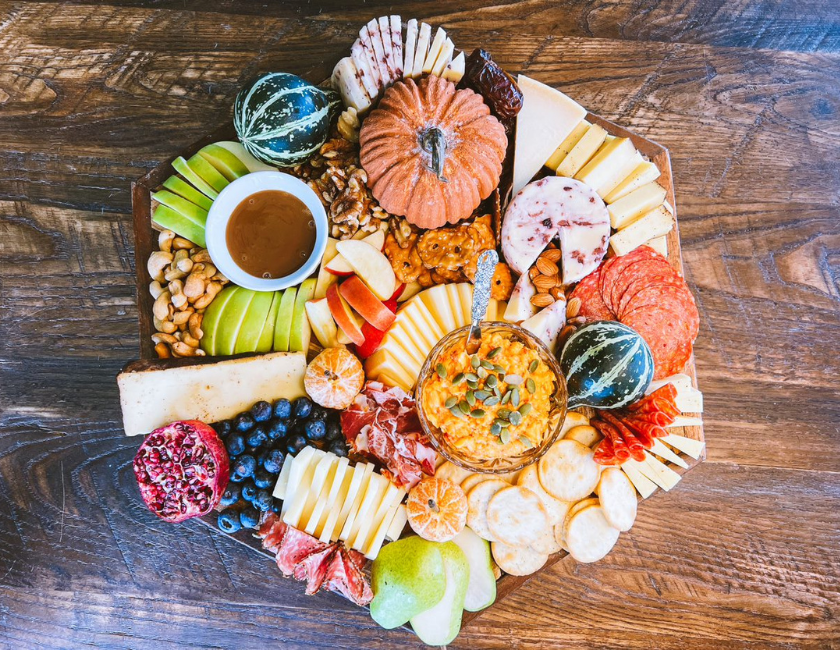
(334, 378)
(437, 509)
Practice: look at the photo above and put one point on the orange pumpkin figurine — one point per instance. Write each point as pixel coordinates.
(432, 153)
(437, 509)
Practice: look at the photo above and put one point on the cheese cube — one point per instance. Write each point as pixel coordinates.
(397, 525)
(688, 446)
(645, 173)
(653, 224)
(454, 71)
(624, 211)
(660, 245)
(607, 163)
(580, 154)
(566, 146)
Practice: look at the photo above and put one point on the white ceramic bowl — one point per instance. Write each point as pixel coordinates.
(232, 196)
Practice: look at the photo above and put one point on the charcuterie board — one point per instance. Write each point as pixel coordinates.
(609, 432)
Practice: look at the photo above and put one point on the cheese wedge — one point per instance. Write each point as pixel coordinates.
(353, 509)
(465, 292)
(389, 495)
(378, 538)
(383, 363)
(434, 50)
(607, 163)
(317, 491)
(645, 173)
(566, 146)
(283, 479)
(580, 154)
(664, 453)
(455, 70)
(443, 58)
(545, 121)
(397, 524)
(424, 38)
(630, 207)
(327, 502)
(436, 300)
(347, 492)
(410, 45)
(688, 446)
(621, 173)
(374, 489)
(660, 245)
(298, 494)
(643, 485)
(685, 421)
(654, 224)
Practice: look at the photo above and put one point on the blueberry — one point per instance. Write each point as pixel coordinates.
(244, 466)
(282, 408)
(236, 479)
(263, 479)
(273, 461)
(295, 443)
(249, 491)
(263, 500)
(276, 507)
(229, 522)
(261, 411)
(223, 428)
(318, 413)
(303, 407)
(334, 431)
(338, 448)
(243, 422)
(235, 445)
(257, 437)
(315, 430)
(249, 518)
(277, 428)
(230, 496)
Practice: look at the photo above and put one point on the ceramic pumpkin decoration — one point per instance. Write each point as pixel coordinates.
(432, 152)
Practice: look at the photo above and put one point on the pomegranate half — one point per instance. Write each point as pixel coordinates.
(182, 470)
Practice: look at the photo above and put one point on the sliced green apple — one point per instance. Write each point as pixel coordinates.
(235, 313)
(440, 624)
(213, 318)
(189, 209)
(207, 173)
(301, 331)
(179, 186)
(248, 337)
(481, 590)
(173, 220)
(245, 156)
(224, 161)
(180, 165)
(266, 340)
(283, 324)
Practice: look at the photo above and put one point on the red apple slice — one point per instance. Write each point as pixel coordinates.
(363, 300)
(373, 336)
(343, 316)
(339, 266)
(376, 239)
(322, 323)
(370, 265)
(398, 292)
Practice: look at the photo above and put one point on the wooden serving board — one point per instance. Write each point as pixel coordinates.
(146, 243)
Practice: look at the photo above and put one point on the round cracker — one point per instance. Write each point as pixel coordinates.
(584, 434)
(573, 419)
(472, 480)
(546, 543)
(568, 471)
(452, 472)
(477, 500)
(560, 529)
(516, 516)
(517, 561)
(589, 536)
(618, 498)
(510, 477)
(557, 510)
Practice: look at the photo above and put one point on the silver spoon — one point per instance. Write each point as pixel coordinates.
(481, 297)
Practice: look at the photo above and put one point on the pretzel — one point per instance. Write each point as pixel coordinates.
(501, 286)
(406, 262)
(446, 249)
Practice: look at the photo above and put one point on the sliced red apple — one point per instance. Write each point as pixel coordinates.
(409, 291)
(363, 300)
(343, 315)
(373, 336)
(370, 265)
(398, 292)
(376, 239)
(339, 266)
(322, 323)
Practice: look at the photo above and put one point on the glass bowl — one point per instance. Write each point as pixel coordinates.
(557, 401)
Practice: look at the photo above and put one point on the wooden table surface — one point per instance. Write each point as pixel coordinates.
(745, 553)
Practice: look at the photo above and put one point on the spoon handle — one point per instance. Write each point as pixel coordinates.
(481, 296)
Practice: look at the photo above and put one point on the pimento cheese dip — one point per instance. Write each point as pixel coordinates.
(493, 404)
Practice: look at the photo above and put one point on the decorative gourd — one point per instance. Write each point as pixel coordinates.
(431, 152)
(283, 120)
(607, 365)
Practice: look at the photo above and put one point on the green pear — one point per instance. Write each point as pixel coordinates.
(440, 624)
(266, 339)
(407, 578)
(180, 165)
(179, 186)
(481, 590)
(248, 337)
(173, 220)
(213, 317)
(224, 161)
(301, 331)
(234, 317)
(283, 324)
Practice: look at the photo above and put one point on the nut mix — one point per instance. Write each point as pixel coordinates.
(336, 176)
(545, 275)
(184, 283)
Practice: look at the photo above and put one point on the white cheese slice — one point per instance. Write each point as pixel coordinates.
(656, 471)
(378, 538)
(443, 58)
(455, 69)
(390, 496)
(318, 491)
(495, 309)
(210, 392)
(654, 224)
(399, 337)
(606, 164)
(547, 323)
(660, 245)
(580, 154)
(327, 502)
(378, 51)
(645, 173)
(283, 479)
(643, 485)
(679, 380)
(632, 206)
(297, 468)
(520, 307)
(297, 494)
(388, 48)
(372, 490)
(369, 80)
(347, 81)
(435, 330)
(436, 300)
(397, 45)
(347, 492)
(685, 421)
(366, 42)
(384, 365)
(411, 319)
(410, 45)
(434, 50)
(424, 38)
(545, 121)
(455, 304)
(688, 446)
(621, 173)
(666, 454)
(688, 400)
(465, 293)
(566, 146)
(353, 509)
(397, 524)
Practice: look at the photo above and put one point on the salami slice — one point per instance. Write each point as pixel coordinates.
(592, 307)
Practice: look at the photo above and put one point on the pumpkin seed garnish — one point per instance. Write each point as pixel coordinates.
(473, 384)
(497, 392)
(450, 402)
(458, 379)
(470, 398)
(464, 406)
(478, 414)
(492, 380)
(499, 368)
(515, 418)
(514, 398)
(526, 441)
(482, 395)
(457, 413)
(513, 380)
(502, 423)
(534, 365)
(531, 385)
(525, 409)
(482, 373)
(471, 377)
(495, 429)
(493, 352)
(486, 364)
(441, 370)
(506, 397)
(503, 413)
(491, 401)
(474, 361)
(505, 436)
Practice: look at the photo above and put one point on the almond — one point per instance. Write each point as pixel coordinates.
(556, 293)
(543, 283)
(541, 300)
(551, 254)
(534, 272)
(546, 266)
(573, 308)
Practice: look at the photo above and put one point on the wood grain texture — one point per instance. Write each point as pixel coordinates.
(742, 554)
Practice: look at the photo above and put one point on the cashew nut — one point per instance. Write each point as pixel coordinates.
(189, 339)
(179, 243)
(212, 289)
(194, 286)
(160, 337)
(201, 256)
(174, 274)
(158, 261)
(168, 327)
(195, 325)
(165, 240)
(185, 265)
(179, 300)
(161, 306)
(155, 288)
(181, 317)
(163, 351)
(175, 287)
(209, 271)
(181, 349)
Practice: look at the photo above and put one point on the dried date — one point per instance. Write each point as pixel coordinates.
(486, 77)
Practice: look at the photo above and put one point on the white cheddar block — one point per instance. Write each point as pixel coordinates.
(410, 45)
(581, 153)
(378, 538)
(606, 164)
(660, 245)
(434, 50)
(654, 224)
(643, 485)
(209, 392)
(283, 479)
(685, 421)
(666, 454)
(443, 58)
(688, 446)
(397, 525)
(620, 174)
(325, 505)
(455, 69)
(424, 39)
(645, 173)
(640, 201)
(566, 146)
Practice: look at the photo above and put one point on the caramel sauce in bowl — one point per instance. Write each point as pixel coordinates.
(267, 231)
